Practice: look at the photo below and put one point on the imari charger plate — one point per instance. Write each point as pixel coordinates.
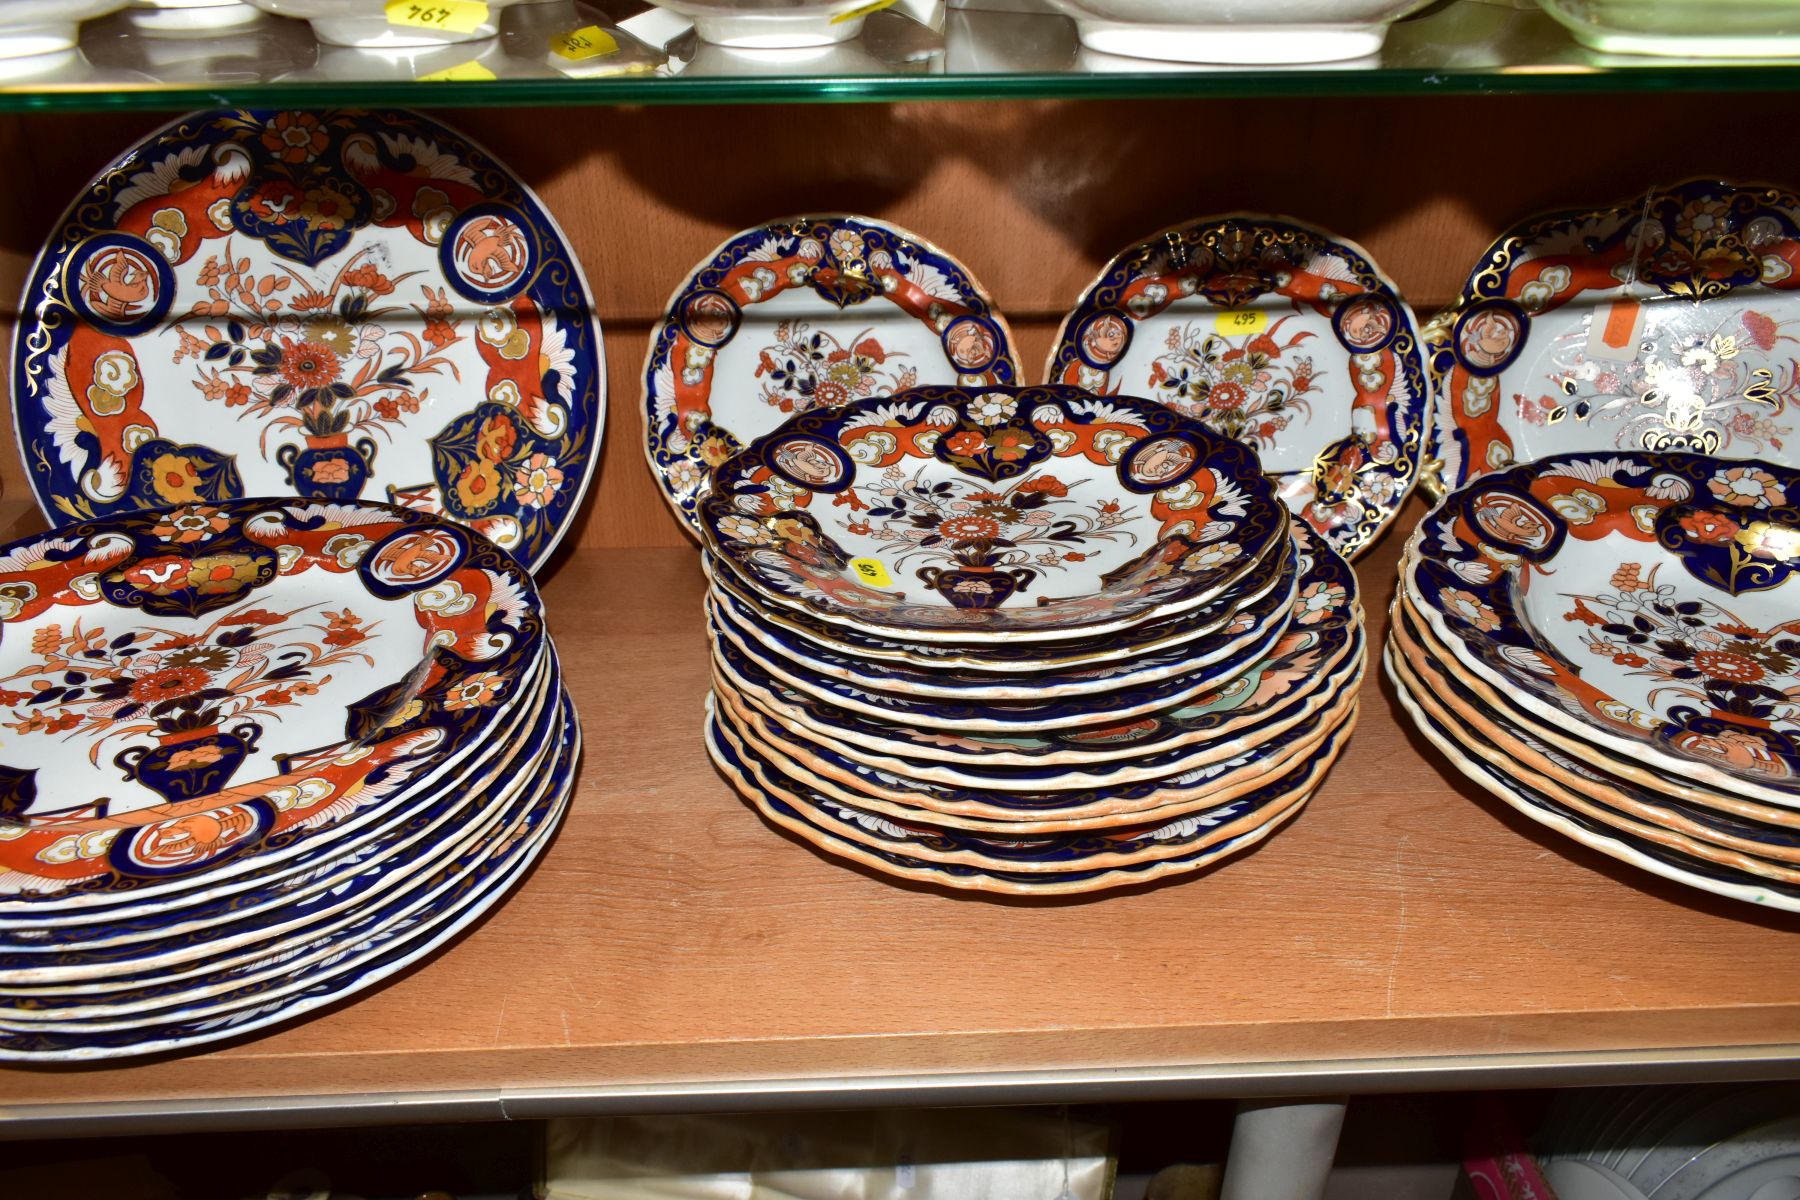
(340, 305)
(188, 690)
(1663, 323)
(803, 314)
(1277, 334)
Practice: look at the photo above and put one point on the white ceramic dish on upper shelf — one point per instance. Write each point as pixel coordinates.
(1233, 31)
(772, 24)
(46, 26)
(368, 24)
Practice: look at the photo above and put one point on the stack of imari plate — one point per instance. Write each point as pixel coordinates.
(1610, 642)
(1021, 640)
(260, 755)
(257, 755)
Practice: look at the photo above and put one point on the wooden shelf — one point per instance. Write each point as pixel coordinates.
(673, 950)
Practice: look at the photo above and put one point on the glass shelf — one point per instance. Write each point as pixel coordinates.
(1462, 46)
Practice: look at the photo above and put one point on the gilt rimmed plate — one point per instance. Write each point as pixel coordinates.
(1666, 322)
(1594, 758)
(800, 314)
(214, 930)
(342, 304)
(426, 797)
(396, 945)
(1158, 835)
(1619, 842)
(781, 812)
(279, 966)
(1052, 809)
(1650, 597)
(310, 908)
(1275, 333)
(409, 796)
(1186, 664)
(172, 678)
(1544, 766)
(804, 633)
(1006, 514)
(1325, 625)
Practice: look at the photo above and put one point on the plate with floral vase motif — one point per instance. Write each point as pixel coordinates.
(1052, 807)
(806, 313)
(258, 975)
(1324, 629)
(213, 930)
(970, 515)
(1645, 602)
(352, 966)
(123, 953)
(1191, 659)
(342, 305)
(1157, 835)
(803, 633)
(1615, 841)
(402, 798)
(194, 688)
(1275, 333)
(768, 800)
(1667, 322)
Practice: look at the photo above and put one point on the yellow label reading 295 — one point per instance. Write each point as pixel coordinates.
(590, 41)
(1242, 320)
(450, 16)
(871, 570)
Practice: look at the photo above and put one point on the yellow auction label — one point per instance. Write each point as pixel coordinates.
(590, 41)
(862, 11)
(1242, 320)
(450, 16)
(872, 571)
(468, 72)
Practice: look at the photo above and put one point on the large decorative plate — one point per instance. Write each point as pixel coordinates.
(1018, 513)
(1665, 322)
(801, 314)
(215, 682)
(1275, 333)
(339, 305)
(1652, 598)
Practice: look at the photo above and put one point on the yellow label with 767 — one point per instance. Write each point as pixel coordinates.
(450, 16)
(872, 571)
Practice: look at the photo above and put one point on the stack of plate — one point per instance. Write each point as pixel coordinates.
(1022, 640)
(1608, 642)
(1730, 1142)
(260, 756)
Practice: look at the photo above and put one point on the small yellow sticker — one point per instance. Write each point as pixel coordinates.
(451, 16)
(864, 11)
(470, 71)
(1242, 320)
(590, 41)
(871, 570)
